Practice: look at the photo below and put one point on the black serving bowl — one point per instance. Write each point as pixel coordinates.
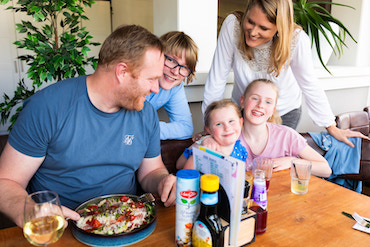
(120, 239)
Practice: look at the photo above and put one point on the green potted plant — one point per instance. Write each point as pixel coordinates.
(56, 45)
(315, 20)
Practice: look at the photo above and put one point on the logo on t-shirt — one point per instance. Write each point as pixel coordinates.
(128, 139)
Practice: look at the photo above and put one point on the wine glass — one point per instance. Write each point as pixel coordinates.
(43, 221)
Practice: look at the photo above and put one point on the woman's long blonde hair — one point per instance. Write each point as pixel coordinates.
(280, 13)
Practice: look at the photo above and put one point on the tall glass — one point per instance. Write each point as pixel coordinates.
(300, 173)
(43, 221)
(266, 165)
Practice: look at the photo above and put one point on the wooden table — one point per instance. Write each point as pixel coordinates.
(313, 219)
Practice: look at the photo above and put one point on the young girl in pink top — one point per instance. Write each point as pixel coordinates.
(263, 138)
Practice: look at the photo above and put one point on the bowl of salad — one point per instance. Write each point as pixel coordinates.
(115, 220)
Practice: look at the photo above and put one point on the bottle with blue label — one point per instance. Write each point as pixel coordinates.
(207, 230)
(187, 204)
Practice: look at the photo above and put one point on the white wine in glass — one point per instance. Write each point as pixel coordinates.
(43, 221)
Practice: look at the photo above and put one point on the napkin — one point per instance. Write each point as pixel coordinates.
(359, 227)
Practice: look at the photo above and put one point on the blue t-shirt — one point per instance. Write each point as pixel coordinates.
(177, 108)
(87, 152)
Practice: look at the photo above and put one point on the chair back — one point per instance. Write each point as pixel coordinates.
(355, 120)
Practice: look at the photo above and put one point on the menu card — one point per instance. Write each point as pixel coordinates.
(231, 172)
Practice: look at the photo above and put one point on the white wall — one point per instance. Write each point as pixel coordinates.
(347, 89)
(99, 26)
(9, 65)
(358, 23)
(198, 19)
(363, 57)
(127, 12)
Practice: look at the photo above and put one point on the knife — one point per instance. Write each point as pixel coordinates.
(358, 219)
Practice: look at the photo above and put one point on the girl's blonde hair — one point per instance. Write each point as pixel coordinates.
(280, 13)
(218, 105)
(275, 118)
(175, 42)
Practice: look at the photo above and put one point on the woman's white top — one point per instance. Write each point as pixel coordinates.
(299, 77)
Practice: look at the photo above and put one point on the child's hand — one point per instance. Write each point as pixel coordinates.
(282, 163)
(211, 143)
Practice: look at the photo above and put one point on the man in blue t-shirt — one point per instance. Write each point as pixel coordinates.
(91, 135)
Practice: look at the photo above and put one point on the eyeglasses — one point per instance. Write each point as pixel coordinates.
(171, 63)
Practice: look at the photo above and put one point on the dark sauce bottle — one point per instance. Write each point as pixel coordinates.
(207, 230)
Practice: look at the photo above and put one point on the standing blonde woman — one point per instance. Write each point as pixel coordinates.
(264, 42)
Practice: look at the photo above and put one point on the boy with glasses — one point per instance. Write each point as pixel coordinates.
(181, 55)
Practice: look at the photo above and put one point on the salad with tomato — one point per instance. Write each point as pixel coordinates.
(114, 215)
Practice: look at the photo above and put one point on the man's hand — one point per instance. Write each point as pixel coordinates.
(153, 177)
(167, 190)
(199, 135)
(343, 135)
(69, 214)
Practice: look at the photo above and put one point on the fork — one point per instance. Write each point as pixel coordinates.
(147, 197)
